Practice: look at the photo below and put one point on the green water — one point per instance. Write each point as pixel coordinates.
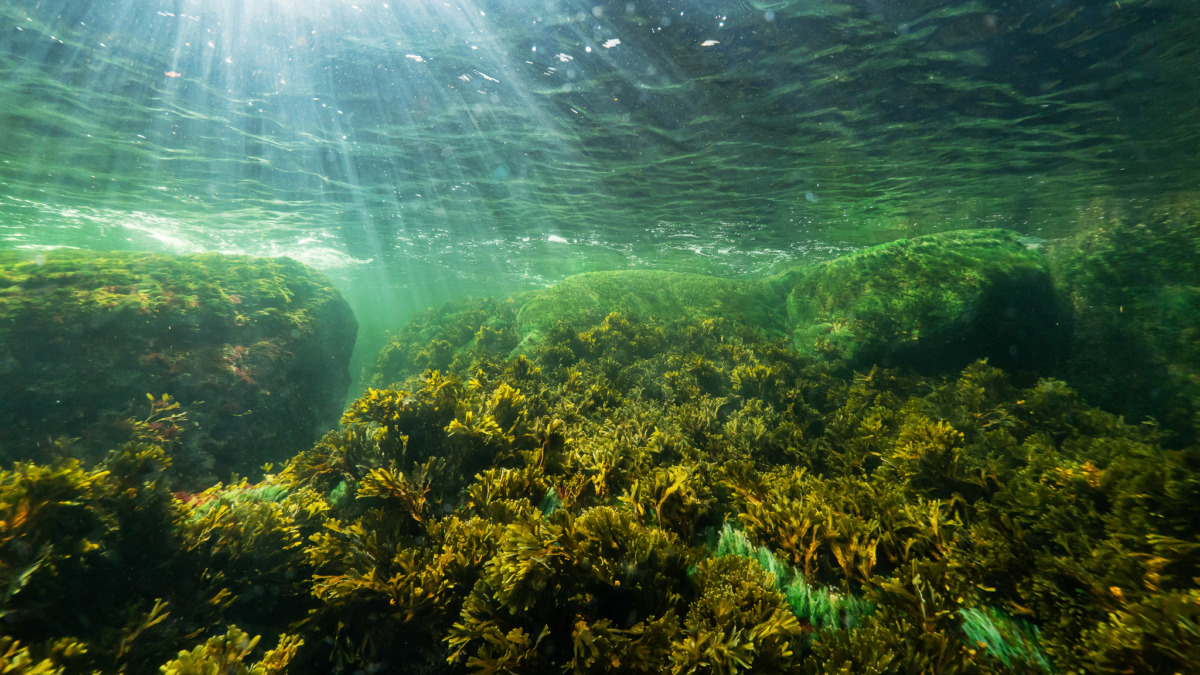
(766, 469)
(417, 151)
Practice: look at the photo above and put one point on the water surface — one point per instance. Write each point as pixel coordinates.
(421, 150)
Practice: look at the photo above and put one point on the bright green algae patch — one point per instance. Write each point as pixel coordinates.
(256, 349)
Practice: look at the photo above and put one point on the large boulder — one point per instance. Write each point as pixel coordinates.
(256, 351)
(1132, 284)
(934, 303)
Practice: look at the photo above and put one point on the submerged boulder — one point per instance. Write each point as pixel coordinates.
(1133, 288)
(935, 303)
(256, 352)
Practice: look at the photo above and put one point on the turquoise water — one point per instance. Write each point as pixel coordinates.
(417, 151)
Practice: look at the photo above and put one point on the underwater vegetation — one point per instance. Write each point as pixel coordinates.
(932, 303)
(247, 346)
(624, 492)
(590, 517)
(105, 570)
(1133, 288)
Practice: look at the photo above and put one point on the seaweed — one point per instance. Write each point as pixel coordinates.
(623, 493)
(227, 654)
(1014, 643)
(816, 608)
(1131, 287)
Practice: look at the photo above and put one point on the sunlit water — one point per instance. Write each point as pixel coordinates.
(419, 150)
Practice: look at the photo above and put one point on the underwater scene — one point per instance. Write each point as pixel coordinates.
(550, 336)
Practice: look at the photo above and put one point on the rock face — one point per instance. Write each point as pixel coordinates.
(255, 351)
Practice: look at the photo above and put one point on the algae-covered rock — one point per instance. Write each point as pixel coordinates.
(255, 350)
(454, 335)
(437, 339)
(669, 297)
(1133, 288)
(934, 302)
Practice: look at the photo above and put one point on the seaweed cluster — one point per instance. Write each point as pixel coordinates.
(645, 490)
(632, 496)
(105, 570)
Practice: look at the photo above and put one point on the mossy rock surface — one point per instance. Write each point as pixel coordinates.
(256, 350)
(438, 338)
(1133, 288)
(668, 297)
(934, 302)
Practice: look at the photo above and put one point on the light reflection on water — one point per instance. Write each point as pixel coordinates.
(420, 150)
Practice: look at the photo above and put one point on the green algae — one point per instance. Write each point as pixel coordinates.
(935, 302)
(668, 297)
(1132, 288)
(1013, 643)
(815, 607)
